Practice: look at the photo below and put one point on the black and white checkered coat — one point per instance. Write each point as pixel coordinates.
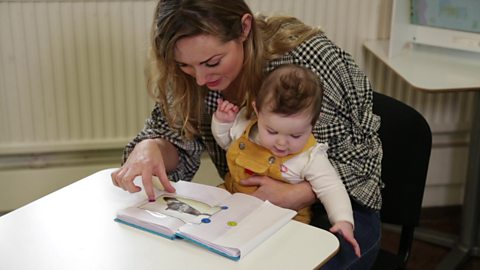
(347, 123)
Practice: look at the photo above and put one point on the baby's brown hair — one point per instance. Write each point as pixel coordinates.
(291, 89)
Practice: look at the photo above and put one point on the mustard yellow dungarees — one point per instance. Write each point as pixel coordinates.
(246, 158)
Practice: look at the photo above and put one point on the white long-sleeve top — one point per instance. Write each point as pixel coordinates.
(311, 165)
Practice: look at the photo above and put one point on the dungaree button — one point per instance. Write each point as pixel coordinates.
(241, 146)
(271, 160)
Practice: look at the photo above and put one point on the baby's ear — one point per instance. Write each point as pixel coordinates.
(254, 106)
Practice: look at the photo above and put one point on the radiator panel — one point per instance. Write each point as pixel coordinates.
(71, 72)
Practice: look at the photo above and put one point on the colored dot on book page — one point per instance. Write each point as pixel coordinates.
(206, 220)
(232, 223)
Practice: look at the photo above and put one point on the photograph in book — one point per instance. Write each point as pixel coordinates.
(187, 210)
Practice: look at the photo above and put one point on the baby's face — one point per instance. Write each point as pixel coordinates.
(283, 135)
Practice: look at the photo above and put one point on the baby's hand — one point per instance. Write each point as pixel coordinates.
(346, 229)
(226, 111)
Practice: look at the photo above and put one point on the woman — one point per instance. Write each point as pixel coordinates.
(203, 50)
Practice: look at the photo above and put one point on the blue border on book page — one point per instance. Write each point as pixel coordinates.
(207, 247)
(144, 229)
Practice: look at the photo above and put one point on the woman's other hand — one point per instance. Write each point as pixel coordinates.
(282, 194)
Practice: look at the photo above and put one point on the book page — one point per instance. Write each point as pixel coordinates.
(256, 227)
(233, 211)
(243, 223)
(151, 220)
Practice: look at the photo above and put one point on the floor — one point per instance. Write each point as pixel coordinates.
(425, 255)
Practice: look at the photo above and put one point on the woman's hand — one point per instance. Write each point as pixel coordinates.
(146, 160)
(282, 194)
(346, 229)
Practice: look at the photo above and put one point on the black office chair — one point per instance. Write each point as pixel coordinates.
(406, 142)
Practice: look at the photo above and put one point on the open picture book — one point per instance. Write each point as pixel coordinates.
(231, 225)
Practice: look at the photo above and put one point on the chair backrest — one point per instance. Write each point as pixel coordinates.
(406, 142)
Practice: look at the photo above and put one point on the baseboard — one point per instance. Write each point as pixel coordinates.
(21, 186)
(22, 183)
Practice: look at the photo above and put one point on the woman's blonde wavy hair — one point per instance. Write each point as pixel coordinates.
(181, 99)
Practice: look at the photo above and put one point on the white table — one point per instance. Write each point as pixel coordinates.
(433, 70)
(73, 228)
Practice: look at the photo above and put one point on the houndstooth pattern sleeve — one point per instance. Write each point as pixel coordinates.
(189, 151)
(346, 123)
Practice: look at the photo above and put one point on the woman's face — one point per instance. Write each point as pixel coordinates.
(210, 61)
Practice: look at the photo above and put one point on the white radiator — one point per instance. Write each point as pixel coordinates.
(71, 72)
(348, 22)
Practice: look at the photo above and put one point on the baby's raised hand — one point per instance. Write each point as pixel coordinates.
(346, 229)
(226, 111)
